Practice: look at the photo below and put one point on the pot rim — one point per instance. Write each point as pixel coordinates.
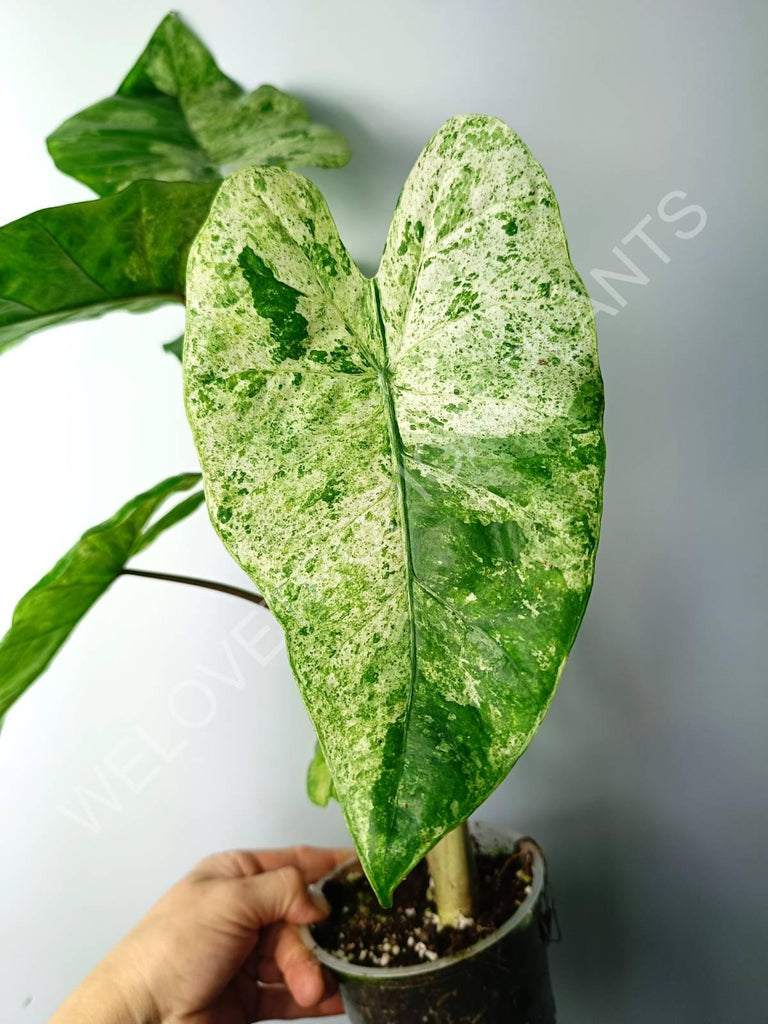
(519, 919)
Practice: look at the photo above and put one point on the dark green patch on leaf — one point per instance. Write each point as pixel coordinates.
(277, 303)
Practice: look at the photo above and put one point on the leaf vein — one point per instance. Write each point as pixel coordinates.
(74, 262)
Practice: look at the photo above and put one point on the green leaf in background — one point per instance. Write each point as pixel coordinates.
(74, 262)
(409, 467)
(175, 515)
(176, 117)
(47, 614)
(175, 347)
(319, 781)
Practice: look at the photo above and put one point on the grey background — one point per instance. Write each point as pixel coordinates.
(646, 784)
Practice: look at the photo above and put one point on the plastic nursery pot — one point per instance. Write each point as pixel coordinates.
(502, 979)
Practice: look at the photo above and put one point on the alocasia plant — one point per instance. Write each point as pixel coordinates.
(409, 467)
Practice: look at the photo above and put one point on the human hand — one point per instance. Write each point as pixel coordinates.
(221, 947)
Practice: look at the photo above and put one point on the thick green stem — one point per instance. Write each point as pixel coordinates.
(452, 867)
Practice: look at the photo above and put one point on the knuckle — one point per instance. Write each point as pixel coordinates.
(204, 868)
(228, 864)
(243, 862)
(291, 878)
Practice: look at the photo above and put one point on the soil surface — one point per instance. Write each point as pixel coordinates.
(360, 931)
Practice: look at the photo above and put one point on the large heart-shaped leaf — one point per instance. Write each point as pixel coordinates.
(73, 262)
(48, 613)
(176, 117)
(410, 468)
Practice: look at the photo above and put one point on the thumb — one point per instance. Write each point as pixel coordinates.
(281, 895)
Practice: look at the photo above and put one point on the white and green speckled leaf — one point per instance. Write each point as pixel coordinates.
(410, 468)
(177, 117)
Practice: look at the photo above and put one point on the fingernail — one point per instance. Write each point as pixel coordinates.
(319, 900)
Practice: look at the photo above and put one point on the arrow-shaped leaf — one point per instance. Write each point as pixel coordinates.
(410, 468)
(48, 613)
(177, 117)
(74, 262)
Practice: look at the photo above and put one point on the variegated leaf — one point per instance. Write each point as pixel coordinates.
(177, 117)
(410, 468)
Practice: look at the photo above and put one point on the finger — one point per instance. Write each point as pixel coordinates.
(265, 1001)
(268, 972)
(269, 938)
(282, 958)
(298, 967)
(252, 963)
(312, 861)
(229, 864)
(278, 1003)
(279, 895)
(261, 964)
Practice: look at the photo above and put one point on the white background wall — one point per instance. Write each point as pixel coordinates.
(647, 782)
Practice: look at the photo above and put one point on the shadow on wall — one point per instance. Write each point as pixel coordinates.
(643, 931)
(643, 923)
(590, 962)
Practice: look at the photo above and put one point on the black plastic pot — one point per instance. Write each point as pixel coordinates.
(503, 979)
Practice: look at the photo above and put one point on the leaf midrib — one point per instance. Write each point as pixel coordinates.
(397, 449)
